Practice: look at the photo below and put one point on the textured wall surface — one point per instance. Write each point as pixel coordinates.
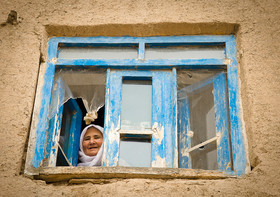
(23, 49)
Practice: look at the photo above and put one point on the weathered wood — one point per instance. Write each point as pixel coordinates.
(230, 62)
(221, 122)
(240, 162)
(42, 119)
(74, 132)
(162, 112)
(70, 173)
(184, 126)
(54, 126)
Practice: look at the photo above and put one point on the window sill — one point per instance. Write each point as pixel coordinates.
(59, 174)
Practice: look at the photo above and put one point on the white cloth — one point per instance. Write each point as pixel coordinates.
(90, 160)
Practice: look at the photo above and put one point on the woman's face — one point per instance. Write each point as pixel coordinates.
(92, 141)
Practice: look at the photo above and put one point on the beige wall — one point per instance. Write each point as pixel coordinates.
(257, 26)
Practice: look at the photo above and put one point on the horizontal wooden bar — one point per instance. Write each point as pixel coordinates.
(59, 174)
(202, 144)
(136, 62)
(158, 39)
(140, 132)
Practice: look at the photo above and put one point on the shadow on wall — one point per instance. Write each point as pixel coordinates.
(141, 30)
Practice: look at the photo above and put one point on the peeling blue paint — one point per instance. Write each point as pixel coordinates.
(221, 121)
(164, 96)
(44, 109)
(184, 140)
(238, 148)
(162, 113)
(74, 132)
(56, 111)
(155, 64)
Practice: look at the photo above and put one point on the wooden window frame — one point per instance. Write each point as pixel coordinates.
(38, 133)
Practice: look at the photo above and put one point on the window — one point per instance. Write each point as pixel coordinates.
(169, 102)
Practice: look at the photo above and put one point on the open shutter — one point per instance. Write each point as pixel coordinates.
(203, 125)
(65, 120)
(72, 134)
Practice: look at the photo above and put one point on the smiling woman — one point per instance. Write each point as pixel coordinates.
(91, 140)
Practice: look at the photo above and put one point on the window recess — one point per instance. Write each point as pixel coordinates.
(164, 102)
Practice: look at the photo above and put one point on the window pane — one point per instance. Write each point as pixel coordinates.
(189, 77)
(135, 153)
(184, 52)
(86, 85)
(97, 53)
(136, 107)
(197, 121)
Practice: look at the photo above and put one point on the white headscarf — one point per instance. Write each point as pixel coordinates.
(90, 160)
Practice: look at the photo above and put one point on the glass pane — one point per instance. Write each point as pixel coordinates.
(86, 85)
(135, 153)
(202, 123)
(136, 107)
(184, 52)
(188, 77)
(97, 53)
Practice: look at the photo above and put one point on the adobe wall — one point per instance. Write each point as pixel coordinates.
(256, 24)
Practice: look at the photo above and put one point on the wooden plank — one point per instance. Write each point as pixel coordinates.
(75, 132)
(162, 143)
(221, 122)
(67, 116)
(174, 121)
(151, 63)
(112, 119)
(184, 139)
(97, 173)
(44, 109)
(54, 124)
(240, 163)
(202, 144)
(106, 143)
(141, 50)
(158, 39)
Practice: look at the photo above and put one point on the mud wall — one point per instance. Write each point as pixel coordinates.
(23, 49)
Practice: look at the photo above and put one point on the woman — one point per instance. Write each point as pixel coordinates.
(91, 150)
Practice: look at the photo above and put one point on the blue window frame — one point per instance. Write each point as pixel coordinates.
(156, 58)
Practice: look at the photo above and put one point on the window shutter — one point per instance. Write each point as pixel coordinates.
(187, 132)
